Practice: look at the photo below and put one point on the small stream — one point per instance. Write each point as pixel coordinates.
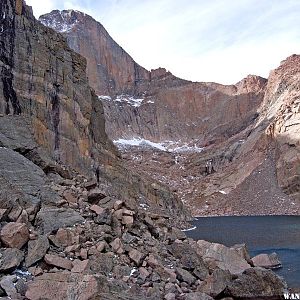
(262, 234)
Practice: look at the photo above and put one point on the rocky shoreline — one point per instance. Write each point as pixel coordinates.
(92, 246)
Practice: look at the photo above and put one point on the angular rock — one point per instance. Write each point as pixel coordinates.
(50, 219)
(95, 195)
(136, 256)
(37, 249)
(184, 275)
(256, 283)
(58, 261)
(14, 235)
(102, 263)
(170, 296)
(97, 209)
(63, 237)
(217, 255)
(196, 296)
(70, 197)
(117, 245)
(62, 286)
(7, 283)
(268, 261)
(80, 266)
(10, 258)
(104, 218)
(189, 258)
(127, 220)
(216, 283)
(243, 252)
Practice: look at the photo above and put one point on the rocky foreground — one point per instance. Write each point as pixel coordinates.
(91, 246)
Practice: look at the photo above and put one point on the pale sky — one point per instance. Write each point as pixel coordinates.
(200, 40)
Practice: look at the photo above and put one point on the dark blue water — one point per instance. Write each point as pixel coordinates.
(263, 234)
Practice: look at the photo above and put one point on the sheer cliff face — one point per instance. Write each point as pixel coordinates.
(42, 77)
(45, 81)
(282, 109)
(155, 105)
(110, 68)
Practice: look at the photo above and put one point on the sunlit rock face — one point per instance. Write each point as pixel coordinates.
(155, 105)
(210, 142)
(110, 68)
(44, 81)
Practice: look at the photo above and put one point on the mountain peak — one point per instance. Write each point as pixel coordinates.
(62, 21)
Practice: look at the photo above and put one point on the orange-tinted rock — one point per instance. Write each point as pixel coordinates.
(14, 235)
(58, 261)
(61, 286)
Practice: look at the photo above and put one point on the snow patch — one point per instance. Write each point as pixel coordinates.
(189, 229)
(223, 192)
(132, 271)
(136, 142)
(130, 100)
(103, 97)
(168, 146)
(135, 102)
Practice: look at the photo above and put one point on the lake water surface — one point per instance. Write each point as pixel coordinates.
(262, 234)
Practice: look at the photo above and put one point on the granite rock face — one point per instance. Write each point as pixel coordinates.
(282, 107)
(248, 130)
(52, 117)
(155, 105)
(109, 67)
(42, 77)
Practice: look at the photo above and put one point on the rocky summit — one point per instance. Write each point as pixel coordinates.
(223, 149)
(75, 221)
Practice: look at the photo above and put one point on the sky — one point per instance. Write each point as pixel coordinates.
(201, 40)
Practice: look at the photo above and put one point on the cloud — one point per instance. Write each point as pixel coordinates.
(216, 40)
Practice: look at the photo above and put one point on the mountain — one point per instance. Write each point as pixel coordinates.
(154, 104)
(75, 223)
(208, 141)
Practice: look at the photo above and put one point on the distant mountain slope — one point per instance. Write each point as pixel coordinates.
(168, 108)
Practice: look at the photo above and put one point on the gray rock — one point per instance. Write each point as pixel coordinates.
(136, 256)
(50, 219)
(21, 179)
(184, 275)
(95, 195)
(10, 258)
(7, 283)
(102, 263)
(104, 218)
(196, 296)
(242, 250)
(268, 261)
(36, 250)
(216, 283)
(256, 283)
(217, 255)
(189, 259)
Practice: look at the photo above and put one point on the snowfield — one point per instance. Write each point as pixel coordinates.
(168, 146)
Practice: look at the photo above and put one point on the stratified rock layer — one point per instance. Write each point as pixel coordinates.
(44, 81)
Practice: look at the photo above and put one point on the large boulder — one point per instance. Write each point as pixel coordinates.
(268, 261)
(36, 250)
(23, 181)
(256, 283)
(216, 283)
(50, 219)
(217, 255)
(14, 235)
(63, 286)
(10, 259)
